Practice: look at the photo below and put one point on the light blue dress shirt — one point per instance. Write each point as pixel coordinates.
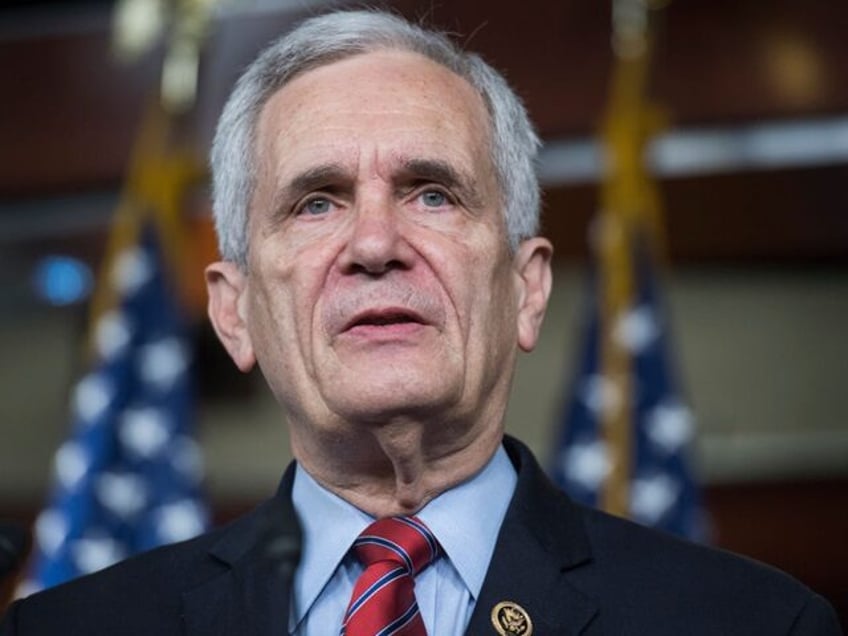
(465, 520)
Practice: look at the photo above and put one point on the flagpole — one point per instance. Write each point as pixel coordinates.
(159, 173)
(630, 211)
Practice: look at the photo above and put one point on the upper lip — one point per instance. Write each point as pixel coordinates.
(383, 315)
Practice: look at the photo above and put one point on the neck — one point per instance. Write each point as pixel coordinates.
(397, 467)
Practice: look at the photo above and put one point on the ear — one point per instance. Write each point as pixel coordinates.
(532, 263)
(226, 284)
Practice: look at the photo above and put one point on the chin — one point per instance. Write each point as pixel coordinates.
(381, 399)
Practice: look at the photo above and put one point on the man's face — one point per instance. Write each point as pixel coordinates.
(379, 282)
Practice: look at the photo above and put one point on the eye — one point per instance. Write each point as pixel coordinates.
(434, 198)
(315, 206)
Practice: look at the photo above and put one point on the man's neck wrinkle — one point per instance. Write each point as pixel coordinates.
(403, 477)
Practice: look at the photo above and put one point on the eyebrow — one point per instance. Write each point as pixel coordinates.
(335, 176)
(321, 177)
(446, 174)
(328, 176)
(318, 178)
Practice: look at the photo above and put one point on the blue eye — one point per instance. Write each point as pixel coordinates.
(434, 198)
(316, 206)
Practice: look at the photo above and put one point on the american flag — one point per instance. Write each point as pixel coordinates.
(660, 490)
(128, 477)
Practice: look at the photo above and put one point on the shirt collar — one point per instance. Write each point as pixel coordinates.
(465, 519)
(324, 544)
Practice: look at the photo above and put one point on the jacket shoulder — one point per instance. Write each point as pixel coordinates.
(635, 580)
(142, 594)
(643, 571)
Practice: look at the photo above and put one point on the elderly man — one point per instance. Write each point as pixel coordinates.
(377, 213)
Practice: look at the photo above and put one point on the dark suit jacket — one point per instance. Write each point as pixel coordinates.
(572, 569)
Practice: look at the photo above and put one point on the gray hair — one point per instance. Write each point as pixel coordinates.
(329, 38)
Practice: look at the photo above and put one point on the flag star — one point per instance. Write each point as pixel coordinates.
(96, 551)
(587, 464)
(670, 426)
(112, 334)
(186, 458)
(601, 394)
(28, 587)
(179, 521)
(92, 397)
(132, 269)
(71, 464)
(124, 494)
(652, 497)
(144, 431)
(51, 530)
(637, 329)
(162, 362)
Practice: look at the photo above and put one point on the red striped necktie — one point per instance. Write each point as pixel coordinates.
(393, 551)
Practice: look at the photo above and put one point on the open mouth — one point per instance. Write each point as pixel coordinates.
(384, 318)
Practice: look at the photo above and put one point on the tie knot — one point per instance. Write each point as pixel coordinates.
(403, 540)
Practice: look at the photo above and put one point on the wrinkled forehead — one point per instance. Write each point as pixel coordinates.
(382, 57)
(393, 104)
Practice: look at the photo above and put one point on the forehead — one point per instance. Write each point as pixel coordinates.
(387, 105)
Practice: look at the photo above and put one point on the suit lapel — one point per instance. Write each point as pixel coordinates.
(257, 556)
(540, 541)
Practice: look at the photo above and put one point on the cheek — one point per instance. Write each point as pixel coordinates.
(482, 292)
(280, 331)
(295, 276)
(270, 310)
(498, 304)
(265, 314)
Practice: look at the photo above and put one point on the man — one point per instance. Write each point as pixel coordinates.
(377, 213)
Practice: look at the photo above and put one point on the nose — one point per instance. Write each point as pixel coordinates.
(377, 241)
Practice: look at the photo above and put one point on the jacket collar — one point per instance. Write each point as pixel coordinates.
(541, 540)
(257, 555)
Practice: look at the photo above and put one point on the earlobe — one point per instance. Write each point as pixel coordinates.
(533, 266)
(225, 284)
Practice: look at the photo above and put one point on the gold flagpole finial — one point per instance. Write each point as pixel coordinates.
(185, 24)
(137, 25)
(180, 72)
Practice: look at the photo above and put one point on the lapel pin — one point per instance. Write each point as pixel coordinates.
(510, 619)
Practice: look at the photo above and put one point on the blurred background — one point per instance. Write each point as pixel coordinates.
(751, 165)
